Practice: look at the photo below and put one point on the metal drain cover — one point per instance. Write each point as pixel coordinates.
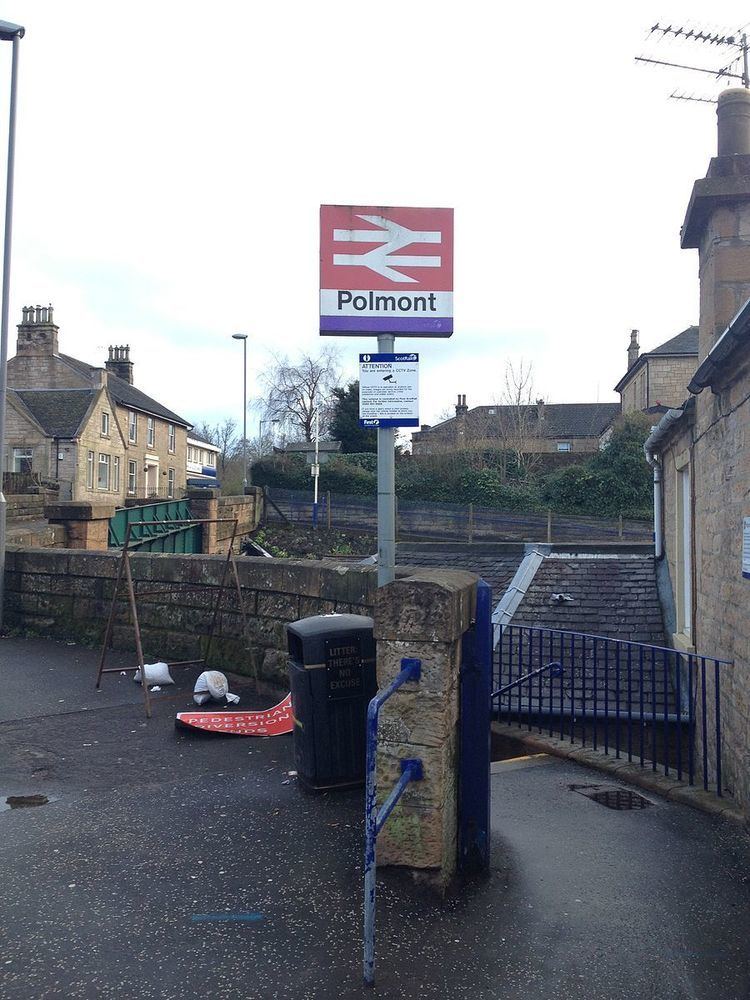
(613, 798)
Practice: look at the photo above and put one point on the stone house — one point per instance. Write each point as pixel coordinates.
(538, 428)
(656, 379)
(700, 449)
(88, 428)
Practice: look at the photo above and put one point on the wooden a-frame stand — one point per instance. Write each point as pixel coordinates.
(125, 571)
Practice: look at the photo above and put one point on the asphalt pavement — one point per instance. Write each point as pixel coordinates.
(166, 865)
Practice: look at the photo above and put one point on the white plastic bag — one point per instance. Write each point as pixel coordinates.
(156, 673)
(213, 684)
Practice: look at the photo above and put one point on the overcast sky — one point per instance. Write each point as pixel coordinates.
(172, 157)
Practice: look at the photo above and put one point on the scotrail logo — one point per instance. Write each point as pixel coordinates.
(380, 259)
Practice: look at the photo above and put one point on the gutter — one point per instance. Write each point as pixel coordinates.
(652, 443)
(734, 335)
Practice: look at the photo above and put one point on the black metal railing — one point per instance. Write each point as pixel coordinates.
(652, 704)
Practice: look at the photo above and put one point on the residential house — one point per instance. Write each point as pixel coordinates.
(656, 379)
(700, 451)
(88, 428)
(541, 428)
(202, 461)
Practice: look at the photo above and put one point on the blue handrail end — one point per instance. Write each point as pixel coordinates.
(414, 667)
(414, 765)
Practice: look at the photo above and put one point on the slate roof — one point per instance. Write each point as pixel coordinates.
(193, 436)
(614, 597)
(59, 411)
(497, 568)
(127, 395)
(560, 420)
(684, 343)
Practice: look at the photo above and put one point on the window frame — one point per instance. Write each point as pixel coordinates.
(132, 477)
(90, 470)
(564, 446)
(171, 439)
(105, 462)
(116, 473)
(132, 427)
(170, 483)
(150, 432)
(104, 428)
(26, 454)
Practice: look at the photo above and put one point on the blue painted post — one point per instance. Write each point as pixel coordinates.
(411, 770)
(474, 741)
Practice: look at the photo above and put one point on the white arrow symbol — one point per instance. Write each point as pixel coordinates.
(378, 259)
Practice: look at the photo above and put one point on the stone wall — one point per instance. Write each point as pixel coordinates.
(66, 594)
(668, 379)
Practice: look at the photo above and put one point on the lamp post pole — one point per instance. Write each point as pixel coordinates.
(243, 338)
(8, 33)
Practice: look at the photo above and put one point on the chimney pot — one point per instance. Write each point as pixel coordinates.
(733, 113)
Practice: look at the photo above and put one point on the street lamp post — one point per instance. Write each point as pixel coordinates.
(243, 338)
(8, 33)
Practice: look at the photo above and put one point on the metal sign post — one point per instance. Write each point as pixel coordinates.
(388, 272)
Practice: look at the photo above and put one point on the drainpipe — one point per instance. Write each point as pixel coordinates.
(657, 435)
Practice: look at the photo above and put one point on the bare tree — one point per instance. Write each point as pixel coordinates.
(293, 392)
(522, 415)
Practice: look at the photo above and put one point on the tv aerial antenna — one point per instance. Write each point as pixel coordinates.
(733, 46)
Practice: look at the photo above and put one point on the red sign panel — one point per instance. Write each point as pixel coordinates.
(271, 722)
(386, 270)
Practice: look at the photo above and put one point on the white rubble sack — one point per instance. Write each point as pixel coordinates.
(213, 684)
(156, 673)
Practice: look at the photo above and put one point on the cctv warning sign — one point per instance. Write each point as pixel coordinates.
(389, 390)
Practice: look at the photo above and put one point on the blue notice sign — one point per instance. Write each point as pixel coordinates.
(389, 390)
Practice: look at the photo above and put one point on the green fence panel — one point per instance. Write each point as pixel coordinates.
(160, 533)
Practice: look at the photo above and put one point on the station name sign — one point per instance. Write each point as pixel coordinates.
(386, 270)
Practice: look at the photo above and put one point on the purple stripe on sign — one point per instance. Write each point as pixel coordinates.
(387, 324)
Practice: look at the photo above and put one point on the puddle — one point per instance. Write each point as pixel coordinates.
(612, 797)
(25, 801)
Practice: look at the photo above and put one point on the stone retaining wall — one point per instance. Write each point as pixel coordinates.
(66, 594)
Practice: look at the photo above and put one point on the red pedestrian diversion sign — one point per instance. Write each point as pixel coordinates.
(386, 270)
(270, 722)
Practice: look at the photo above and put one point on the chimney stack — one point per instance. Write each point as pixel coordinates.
(540, 410)
(717, 222)
(634, 349)
(461, 407)
(37, 332)
(119, 363)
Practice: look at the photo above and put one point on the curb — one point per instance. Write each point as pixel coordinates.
(660, 784)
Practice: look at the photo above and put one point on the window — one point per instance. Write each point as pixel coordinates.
(22, 459)
(150, 432)
(105, 425)
(684, 588)
(132, 427)
(170, 436)
(210, 460)
(564, 446)
(170, 484)
(102, 479)
(116, 474)
(132, 477)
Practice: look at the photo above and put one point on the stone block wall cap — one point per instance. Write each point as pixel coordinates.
(79, 510)
(449, 579)
(710, 193)
(203, 493)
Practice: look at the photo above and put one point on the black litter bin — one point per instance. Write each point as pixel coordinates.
(332, 676)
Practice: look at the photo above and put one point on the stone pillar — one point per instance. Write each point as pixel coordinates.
(204, 503)
(423, 616)
(86, 523)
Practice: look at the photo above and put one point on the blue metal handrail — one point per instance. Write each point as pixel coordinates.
(554, 668)
(411, 770)
(657, 705)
